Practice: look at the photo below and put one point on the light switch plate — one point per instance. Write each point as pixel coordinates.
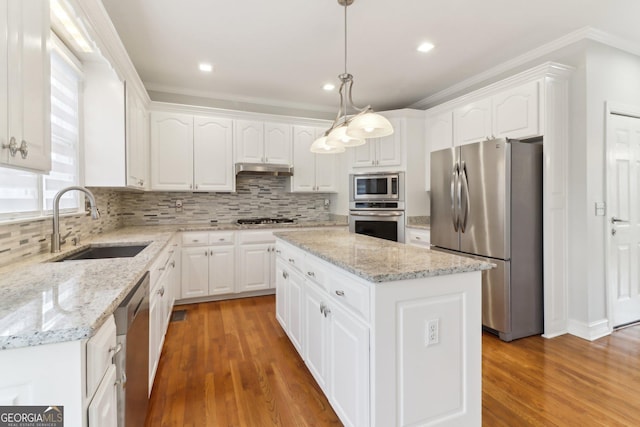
(600, 209)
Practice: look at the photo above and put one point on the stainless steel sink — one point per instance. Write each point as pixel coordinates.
(100, 252)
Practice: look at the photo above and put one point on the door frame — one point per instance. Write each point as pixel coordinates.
(623, 110)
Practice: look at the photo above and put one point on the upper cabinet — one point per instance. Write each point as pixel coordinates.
(512, 113)
(116, 130)
(137, 142)
(381, 152)
(262, 142)
(191, 152)
(311, 171)
(439, 131)
(25, 126)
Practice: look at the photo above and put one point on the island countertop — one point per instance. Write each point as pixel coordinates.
(378, 260)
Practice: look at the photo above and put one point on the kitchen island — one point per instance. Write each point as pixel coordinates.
(391, 332)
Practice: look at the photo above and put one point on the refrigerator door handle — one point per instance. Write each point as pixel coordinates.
(464, 184)
(454, 185)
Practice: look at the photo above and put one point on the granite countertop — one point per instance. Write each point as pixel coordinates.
(43, 302)
(378, 260)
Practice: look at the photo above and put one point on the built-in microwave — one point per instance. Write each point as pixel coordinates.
(376, 186)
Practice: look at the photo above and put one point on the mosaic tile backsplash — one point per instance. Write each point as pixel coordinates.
(256, 196)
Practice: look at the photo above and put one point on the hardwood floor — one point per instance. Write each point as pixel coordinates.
(230, 364)
(564, 381)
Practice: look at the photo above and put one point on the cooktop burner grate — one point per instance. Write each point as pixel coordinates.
(266, 221)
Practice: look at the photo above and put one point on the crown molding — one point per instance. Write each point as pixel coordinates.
(585, 33)
(264, 102)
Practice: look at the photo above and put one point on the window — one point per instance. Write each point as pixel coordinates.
(26, 194)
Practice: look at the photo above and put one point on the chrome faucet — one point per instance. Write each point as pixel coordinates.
(55, 236)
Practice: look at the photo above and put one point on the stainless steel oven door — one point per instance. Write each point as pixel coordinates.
(387, 225)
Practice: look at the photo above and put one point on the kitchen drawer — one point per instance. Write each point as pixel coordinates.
(100, 350)
(221, 238)
(195, 239)
(256, 237)
(418, 237)
(316, 272)
(352, 294)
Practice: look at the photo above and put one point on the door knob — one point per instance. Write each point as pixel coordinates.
(615, 220)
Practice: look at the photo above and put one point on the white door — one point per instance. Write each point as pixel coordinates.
(316, 329)
(103, 411)
(472, 122)
(390, 147)
(282, 279)
(249, 141)
(195, 272)
(439, 130)
(295, 294)
(254, 267)
(515, 112)
(171, 151)
(277, 143)
(364, 155)
(303, 160)
(222, 266)
(623, 177)
(213, 168)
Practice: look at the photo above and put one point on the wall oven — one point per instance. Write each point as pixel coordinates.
(376, 205)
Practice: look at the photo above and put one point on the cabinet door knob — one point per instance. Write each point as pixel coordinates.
(311, 274)
(340, 293)
(285, 274)
(292, 261)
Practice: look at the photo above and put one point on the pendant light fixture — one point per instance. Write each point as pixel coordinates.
(350, 130)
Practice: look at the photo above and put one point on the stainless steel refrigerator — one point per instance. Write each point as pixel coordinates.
(486, 202)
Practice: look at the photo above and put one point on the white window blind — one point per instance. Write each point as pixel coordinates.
(27, 194)
(65, 84)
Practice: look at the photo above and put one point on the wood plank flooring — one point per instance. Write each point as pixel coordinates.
(230, 364)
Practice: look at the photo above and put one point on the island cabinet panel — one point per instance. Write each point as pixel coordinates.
(394, 350)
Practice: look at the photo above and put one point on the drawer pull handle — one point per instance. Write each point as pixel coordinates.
(417, 237)
(323, 307)
(340, 293)
(311, 274)
(161, 292)
(278, 251)
(195, 241)
(292, 261)
(116, 349)
(221, 239)
(285, 274)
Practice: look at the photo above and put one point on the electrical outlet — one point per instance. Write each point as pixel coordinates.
(432, 332)
(327, 202)
(178, 205)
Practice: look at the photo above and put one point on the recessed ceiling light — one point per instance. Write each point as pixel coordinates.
(425, 47)
(329, 87)
(207, 68)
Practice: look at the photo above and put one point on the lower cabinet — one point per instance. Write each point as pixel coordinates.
(165, 280)
(103, 410)
(208, 264)
(332, 338)
(256, 260)
(418, 237)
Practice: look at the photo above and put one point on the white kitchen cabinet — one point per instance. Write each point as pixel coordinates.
(295, 304)
(418, 237)
(25, 85)
(254, 266)
(348, 350)
(282, 283)
(103, 409)
(472, 122)
(171, 151)
(381, 152)
(262, 142)
(191, 152)
(316, 332)
(515, 112)
(213, 154)
(439, 131)
(137, 142)
(208, 264)
(512, 113)
(256, 260)
(312, 172)
(163, 274)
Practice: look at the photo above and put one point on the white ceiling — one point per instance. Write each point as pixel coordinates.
(281, 52)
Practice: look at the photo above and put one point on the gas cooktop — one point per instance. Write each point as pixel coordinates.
(266, 221)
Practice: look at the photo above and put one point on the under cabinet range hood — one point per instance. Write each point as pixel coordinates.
(263, 169)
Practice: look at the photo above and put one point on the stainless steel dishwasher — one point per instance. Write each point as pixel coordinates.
(132, 362)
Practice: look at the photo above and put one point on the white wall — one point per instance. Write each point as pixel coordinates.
(608, 75)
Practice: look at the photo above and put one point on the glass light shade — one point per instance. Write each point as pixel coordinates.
(339, 138)
(320, 146)
(369, 125)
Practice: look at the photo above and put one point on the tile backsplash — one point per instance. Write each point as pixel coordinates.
(25, 238)
(256, 196)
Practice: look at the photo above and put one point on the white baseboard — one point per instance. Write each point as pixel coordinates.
(589, 331)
